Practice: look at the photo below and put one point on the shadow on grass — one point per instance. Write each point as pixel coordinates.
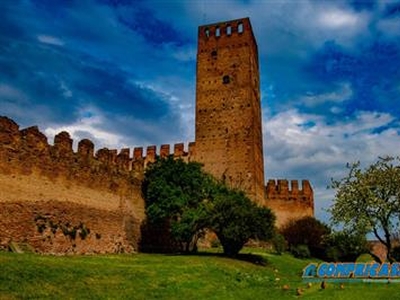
(247, 257)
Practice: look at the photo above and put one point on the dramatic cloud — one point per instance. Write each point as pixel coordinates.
(300, 146)
(122, 73)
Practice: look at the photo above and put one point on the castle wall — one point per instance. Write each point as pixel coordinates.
(289, 202)
(49, 191)
(61, 201)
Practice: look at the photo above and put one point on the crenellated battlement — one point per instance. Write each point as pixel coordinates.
(221, 30)
(31, 140)
(281, 189)
(289, 201)
(28, 150)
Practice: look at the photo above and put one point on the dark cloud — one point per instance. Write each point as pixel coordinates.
(115, 93)
(46, 83)
(155, 31)
(360, 5)
(392, 10)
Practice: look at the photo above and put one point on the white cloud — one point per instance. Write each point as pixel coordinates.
(67, 93)
(184, 54)
(181, 94)
(89, 123)
(335, 18)
(343, 93)
(319, 151)
(48, 39)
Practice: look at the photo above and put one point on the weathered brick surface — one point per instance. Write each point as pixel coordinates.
(63, 188)
(60, 227)
(228, 119)
(289, 201)
(228, 110)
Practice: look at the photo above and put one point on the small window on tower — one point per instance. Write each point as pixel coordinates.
(240, 27)
(229, 30)
(207, 32)
(217, 32)
(226, 79)
(214, 54)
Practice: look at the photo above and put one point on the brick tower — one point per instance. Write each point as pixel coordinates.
(228, 110)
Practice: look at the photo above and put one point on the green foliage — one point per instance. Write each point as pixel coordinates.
(306, 231)
(300, 251)
(345, 246)
(182, 201)
(235, 219)
(175, 194)
(279, 243)
(396, 253)
(368, 200)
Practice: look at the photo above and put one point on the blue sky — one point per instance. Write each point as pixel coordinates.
(122, 73)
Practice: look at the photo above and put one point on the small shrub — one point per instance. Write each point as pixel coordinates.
(279, 243)
(345, 246)
(300, 251)
(235, 219)
(307, 231)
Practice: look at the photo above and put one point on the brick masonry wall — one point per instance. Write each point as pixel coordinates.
(58, 201)
(57, 227)
(289, 202)
(48, 192)
(228, 109)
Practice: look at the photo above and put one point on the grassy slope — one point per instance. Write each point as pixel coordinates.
(145, 276)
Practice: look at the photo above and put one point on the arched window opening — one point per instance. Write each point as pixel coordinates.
(240, 27)
(229, 30)
(217, 32)
(207, 32)
(214, 54)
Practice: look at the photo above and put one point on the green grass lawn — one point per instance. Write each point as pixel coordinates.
(150, 276)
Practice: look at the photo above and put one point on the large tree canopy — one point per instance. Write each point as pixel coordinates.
(235, 219)
(175, 194)
(368, 200)
(182, 201)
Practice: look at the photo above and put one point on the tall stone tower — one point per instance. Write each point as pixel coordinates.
(228, 109)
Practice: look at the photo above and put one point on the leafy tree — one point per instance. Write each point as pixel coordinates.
(368, 200)
(279, 243)
(182, 201)
(174, 192)
(306, 231)
(235, 219)
(345, 246)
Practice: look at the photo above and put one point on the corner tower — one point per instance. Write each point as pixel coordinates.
(228, 109)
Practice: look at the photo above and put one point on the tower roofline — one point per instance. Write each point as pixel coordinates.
(215, 31)
(246, 19)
